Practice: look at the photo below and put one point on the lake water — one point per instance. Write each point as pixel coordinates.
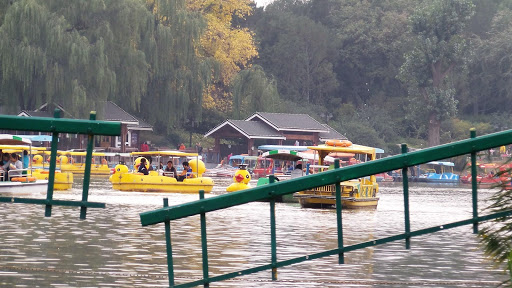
(111, 248)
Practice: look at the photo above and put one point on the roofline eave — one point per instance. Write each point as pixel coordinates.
(262, 119)
(268, 137)
(222, 125)
(302, 130)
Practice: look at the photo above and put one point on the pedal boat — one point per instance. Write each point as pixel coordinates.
(124, 180)
(98, 168)
(355, 194)
(21, 183)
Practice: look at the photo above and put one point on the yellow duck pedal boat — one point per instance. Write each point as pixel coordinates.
(123, 180)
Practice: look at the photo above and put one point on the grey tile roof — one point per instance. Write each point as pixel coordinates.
(112, 112)
(143, 125)
(332, 134)
(255, 128)
(284, 121)
(250, 129)
(37, 113)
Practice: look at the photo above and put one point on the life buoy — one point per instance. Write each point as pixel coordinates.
(338, 143)
(23, 179)
(48, 172)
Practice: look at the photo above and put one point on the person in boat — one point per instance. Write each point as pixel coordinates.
(186, 173)
(4, 166)
(26, 159)
(297, 172)
(170, 170)
(15, 164)
(150, 159)
(142, 167)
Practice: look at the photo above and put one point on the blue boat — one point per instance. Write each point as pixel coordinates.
(439, 172)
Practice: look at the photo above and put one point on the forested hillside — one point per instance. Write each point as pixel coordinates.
(380, 71)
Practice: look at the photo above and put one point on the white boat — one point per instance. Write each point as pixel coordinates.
(38, 186)
(18, 182)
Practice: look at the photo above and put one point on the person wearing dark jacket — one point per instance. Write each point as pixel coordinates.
(142, 167)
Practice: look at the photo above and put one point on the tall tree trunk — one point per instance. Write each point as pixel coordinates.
(433, 130)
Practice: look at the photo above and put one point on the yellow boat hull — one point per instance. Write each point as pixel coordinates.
(155, 183)
(63, 180)
(354, 195)
(324, 202)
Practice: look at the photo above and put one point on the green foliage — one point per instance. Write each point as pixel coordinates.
(80, 53)
(252, 92)
(495, 236)
(299, 52)
(439, 49)
(350, 63)
(491, 81)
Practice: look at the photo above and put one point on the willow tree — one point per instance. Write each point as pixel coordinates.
(178, 77)
(253, 91)
(43, 60)
(440, 48)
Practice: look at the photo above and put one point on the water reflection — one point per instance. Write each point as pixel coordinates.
(111, 249)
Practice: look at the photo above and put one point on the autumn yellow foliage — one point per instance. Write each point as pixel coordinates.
(232, 47)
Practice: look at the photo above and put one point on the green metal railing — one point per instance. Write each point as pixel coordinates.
(55, 126)
(273, 190)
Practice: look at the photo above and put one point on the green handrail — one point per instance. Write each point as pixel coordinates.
(57, 125)
(274, 190)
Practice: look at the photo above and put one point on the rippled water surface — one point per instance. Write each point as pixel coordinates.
(111, 248)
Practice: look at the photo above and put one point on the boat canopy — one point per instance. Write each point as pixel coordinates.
(19, 148)
(238, 157)
(164, 153)
(80, 153)
(282, 147)
(38, 138)
(115, 154)
(8, 139)
(442, 163)
(324, 150)
(287, 155)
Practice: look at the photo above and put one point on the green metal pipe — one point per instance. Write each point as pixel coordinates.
(75, 126)
(405, 181)
(273, 241)
(350, 248)
(87, 171)
(474, 189)
(341, 255)
(168, 246)
(53, 164)
(52, 202)
(204, 246)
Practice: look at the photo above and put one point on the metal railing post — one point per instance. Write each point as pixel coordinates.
(204, 246)
(474, 188)
(273, 243)
(87, 171)
(53, 164)
(168, 246)
(341, 255)
(405, 182)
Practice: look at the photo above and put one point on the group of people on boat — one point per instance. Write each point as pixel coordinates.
(169, 170)
(12, 162)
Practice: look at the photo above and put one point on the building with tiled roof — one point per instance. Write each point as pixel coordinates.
(108, 111)
(269, 128)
